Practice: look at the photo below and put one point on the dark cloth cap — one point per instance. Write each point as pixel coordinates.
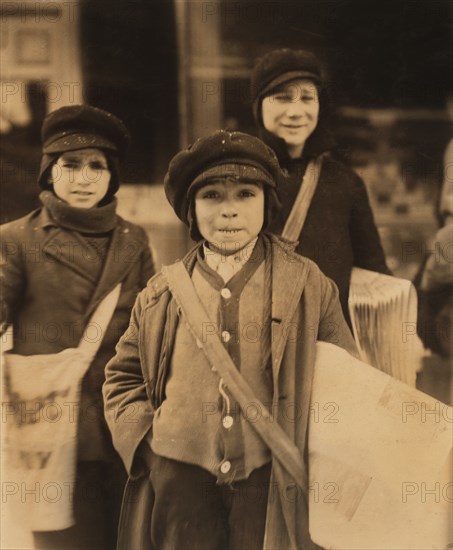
(214, 157)
(76, 127)
(280, 66)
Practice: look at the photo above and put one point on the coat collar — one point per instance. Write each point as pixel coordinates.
(125, 248)
(287, 266)
(124, 252)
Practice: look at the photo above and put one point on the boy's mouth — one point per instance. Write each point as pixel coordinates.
(229, 231)
(83, 193)
(294, 126)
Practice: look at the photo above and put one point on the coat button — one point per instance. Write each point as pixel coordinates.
(225, 467)
(227, 422)
(126, 230)
(225, 293)
(226, 336)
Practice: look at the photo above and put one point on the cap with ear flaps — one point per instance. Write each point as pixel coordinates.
(280, 66)
(76, 127)
(221, 155)
(82, 126)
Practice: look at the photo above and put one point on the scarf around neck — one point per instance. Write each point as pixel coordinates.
(85, 220)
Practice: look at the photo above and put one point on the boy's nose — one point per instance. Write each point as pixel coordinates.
(295, 109)
(82, 180)
(229, 211)
(86, 176)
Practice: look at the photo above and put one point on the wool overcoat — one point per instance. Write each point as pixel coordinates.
(48, 294)
(305, 308)
(339, 232)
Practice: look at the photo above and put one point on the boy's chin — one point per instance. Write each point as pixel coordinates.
(230, 247)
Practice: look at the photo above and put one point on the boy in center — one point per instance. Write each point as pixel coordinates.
(191, 451)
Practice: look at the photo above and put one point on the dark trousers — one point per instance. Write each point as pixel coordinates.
(97, 502)
(191, 512)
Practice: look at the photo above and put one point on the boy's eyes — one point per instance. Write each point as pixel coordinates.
(97, 166)
(283, 97)
(242, 193)
(246, 193)
(72, 165)
(209, 195)
(291, 98)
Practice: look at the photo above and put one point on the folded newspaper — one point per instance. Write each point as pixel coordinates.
(380, 460)
(383, 311)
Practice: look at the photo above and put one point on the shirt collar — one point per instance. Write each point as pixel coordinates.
(228, 266)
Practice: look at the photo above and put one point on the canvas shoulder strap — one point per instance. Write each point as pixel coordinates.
(296, 219)
(194, 313)
(99, 322)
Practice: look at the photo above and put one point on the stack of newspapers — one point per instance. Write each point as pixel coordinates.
(383, 312)
(377, 467)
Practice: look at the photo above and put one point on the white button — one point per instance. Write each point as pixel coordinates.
(225, 467)
(225, 293)
(227, 422)
(226, 336)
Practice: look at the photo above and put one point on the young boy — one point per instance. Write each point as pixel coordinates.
(81, 251)
(202, 476)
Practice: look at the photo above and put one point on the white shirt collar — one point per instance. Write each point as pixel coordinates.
(228, 266)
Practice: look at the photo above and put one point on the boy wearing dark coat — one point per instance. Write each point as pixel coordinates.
(200, 475)
(57, 265)
(291, 107)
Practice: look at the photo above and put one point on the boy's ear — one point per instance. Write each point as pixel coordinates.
(49, 178)
(194, 232)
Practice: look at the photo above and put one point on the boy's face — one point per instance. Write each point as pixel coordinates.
(81, 178)
(291, 113)
(229, 214)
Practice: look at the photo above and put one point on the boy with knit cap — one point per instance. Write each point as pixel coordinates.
(292, 111)
(205, 476)
(57, 264)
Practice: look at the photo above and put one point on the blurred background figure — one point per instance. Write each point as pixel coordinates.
(434, 283)
(446, 194)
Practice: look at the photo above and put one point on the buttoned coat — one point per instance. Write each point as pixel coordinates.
(48, 295)
(305, 308)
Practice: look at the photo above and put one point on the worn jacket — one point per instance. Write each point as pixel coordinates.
(303, 312)
(48, 296)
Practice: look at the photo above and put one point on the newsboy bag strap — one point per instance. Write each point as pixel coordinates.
(100, 320)
(296, 219)
(195, 315)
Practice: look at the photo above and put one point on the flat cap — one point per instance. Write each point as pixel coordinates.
(280, 66)
(82, 126)
(221, 155)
